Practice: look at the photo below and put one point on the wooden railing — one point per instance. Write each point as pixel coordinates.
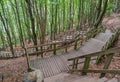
(109, 44)
(78, 40)
(55, 46)
(112, 40)
(109, 55)
(94, 31)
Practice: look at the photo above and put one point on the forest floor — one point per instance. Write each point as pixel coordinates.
(112, 21)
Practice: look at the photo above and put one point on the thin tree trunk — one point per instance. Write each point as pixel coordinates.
(28, 2)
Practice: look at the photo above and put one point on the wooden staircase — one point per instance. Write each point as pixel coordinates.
(57, 64)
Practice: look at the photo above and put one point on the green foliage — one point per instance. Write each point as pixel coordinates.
(110, 6)
(61, 15)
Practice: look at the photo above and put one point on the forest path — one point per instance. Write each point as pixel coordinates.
(57, 64)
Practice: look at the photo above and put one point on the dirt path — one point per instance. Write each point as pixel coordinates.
(112, 21)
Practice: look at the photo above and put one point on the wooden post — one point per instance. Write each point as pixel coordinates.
(41, 51)
(54, 49)
(76, 63)
(73, 66)
(82, 39)
(86, 64)
(75, 46)
(107, 63)
(66, 47)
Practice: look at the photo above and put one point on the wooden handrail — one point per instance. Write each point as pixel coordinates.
(53, 43)
(88, 57)
(108, 52)
(48, 50)
(55, 48)
(104, 52)
(35, 46)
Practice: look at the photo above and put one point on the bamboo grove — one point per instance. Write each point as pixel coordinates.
(33, 20)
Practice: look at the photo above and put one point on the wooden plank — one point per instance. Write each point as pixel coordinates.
(103, 36)
(51, 67)
(112, 50)
(92, 45)
(65, 62)
(51, 43)
(81, 62)
(60, 64)
(42, 66)
(113, 71)
(79, 38)
(49, 70)
(48, 50)
(55, 64)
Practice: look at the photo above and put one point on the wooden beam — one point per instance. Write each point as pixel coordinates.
(109, 51)
(81, 62)
(114, 71)
(51, 43)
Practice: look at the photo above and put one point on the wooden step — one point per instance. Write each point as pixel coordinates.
(57, 64)
(104, 36)
(51, 65)
(93, 45)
